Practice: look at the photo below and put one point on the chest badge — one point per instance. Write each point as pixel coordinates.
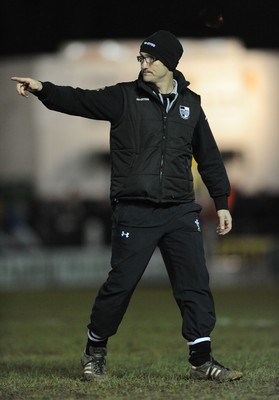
(184, 112)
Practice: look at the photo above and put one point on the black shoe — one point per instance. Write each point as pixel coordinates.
(214, 371)
(94, 365)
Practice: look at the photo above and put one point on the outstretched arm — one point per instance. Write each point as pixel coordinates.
(225, 222)
(27, 85)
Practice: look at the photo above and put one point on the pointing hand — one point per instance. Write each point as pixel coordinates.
(27, 85)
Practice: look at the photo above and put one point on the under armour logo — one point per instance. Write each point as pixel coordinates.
(197, 222)
(126, 234)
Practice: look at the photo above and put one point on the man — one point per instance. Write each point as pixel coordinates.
(157, 126)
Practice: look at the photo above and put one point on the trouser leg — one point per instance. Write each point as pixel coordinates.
(183, 254)
(132, 248)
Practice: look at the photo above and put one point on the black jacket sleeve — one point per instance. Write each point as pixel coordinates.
(102, 104)
(210, 163)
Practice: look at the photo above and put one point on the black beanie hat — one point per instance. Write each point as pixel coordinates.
(164, 46)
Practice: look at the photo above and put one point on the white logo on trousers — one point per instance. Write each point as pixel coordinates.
(198, 224)
(126, 234)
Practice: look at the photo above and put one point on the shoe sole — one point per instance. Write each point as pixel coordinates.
(236, 375)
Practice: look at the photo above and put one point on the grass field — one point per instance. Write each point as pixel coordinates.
(43, 334)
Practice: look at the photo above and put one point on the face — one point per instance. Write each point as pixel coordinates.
(154, 72)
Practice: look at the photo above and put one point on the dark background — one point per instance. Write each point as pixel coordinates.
(34, 26)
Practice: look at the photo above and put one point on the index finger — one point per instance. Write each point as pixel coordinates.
(18, 79)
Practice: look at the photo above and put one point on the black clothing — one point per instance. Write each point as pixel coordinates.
(138, 228)
(152, 193)
(164, 46)
(151, 150)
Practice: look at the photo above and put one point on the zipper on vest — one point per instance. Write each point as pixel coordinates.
(163, 149)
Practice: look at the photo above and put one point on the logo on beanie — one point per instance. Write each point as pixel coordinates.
(150, 44)
(184, 112)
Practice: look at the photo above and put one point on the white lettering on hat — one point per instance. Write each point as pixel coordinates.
(150, 44)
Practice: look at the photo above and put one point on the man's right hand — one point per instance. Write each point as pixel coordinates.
(26, 85)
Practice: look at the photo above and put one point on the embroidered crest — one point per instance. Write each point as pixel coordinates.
(184, 112)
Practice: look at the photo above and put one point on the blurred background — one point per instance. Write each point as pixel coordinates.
(55, 169)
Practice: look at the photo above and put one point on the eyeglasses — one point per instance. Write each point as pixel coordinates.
(148, 59)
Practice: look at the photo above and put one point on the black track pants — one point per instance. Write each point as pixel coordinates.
(137, 229)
